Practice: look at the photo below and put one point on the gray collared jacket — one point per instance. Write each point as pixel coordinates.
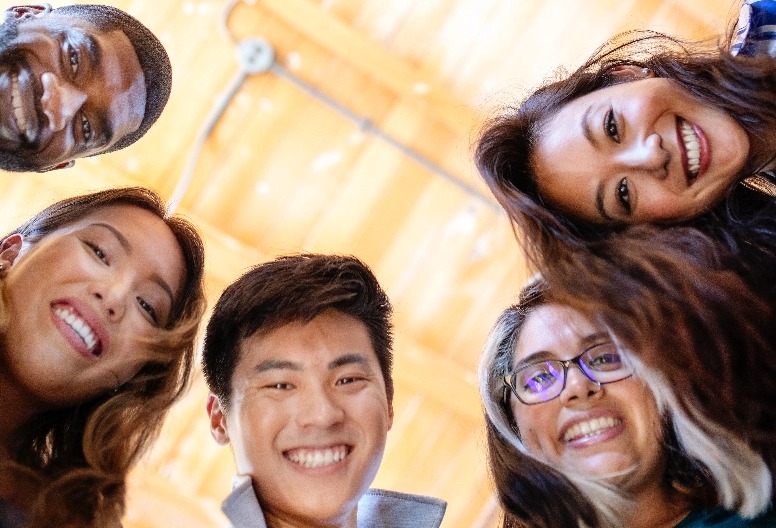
(376, 509)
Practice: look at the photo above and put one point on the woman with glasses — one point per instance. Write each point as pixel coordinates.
(581, 433)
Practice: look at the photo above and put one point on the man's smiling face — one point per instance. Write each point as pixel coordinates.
(67, 89)
(308, 419)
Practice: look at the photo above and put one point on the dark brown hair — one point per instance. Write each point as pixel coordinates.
(672, 302)
(744, 87)
(288, 289)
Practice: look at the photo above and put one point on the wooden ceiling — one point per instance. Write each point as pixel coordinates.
(283, 171)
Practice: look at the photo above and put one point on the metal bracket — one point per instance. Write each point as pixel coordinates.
(256, 55)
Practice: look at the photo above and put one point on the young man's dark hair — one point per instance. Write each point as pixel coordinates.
(290, 289)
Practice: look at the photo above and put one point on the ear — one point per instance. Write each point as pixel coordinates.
(63, 165)
(390, 415)
(218, 426)
(29, 11)
(10, 248)
(630, 72)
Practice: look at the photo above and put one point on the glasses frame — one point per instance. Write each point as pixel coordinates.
(566, 364)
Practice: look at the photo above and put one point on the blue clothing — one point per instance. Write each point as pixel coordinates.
(376, 509)
(721, 518)
(756, 35)
(756, 30)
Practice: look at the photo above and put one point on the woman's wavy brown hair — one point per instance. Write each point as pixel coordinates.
(69, 465)
(703, 342)
(744, 87)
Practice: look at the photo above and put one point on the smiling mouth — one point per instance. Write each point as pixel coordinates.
(25, 128)
(316, 458)
(692, 149)
(590, 428)
(81, 328)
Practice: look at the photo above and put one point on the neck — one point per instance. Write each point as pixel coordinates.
(658, 507)
(282, 520)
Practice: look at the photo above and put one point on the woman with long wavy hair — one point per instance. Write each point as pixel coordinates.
(654, 410)
(102, 295)
(650, 129)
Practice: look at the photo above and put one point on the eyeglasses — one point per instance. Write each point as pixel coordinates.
(545, 380)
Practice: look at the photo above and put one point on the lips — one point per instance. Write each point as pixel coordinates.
(312, 458)
(84, 336)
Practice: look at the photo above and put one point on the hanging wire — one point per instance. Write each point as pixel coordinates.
(257, 56)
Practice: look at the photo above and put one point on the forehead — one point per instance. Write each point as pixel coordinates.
(552, 328)
(309, 345)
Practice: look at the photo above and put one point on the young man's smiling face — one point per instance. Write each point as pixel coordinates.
(308, 418)
(67, 89)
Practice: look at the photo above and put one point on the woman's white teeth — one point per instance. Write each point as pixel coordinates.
(314, 458)
(692, 146)
(590, 428)
(18, 110)
(80, 327)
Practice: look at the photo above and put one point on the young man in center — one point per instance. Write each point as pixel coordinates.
(298, 360)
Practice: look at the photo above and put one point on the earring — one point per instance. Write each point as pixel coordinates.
(3, 269)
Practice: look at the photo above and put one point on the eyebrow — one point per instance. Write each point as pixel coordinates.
(128, 248)
(106, 131)
(585, 125)
(281, 364)
(348, 359)
(92, 47)
(587, 342)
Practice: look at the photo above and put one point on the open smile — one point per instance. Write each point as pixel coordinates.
(694, 149)
(316, 458)
(22, 125)
(590, 428)
(23, 121)
(82, 329)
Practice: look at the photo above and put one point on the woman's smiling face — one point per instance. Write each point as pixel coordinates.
(601, 430)
(85, 300)
(639, 151)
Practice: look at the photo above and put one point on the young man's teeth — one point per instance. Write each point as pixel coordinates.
(18, 110)
(692, 146)
(590, 428)
(314, 458)
(80, 327)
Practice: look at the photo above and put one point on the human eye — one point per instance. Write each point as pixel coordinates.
(72, 58)
(98, 251)
(538, 378)
(349, 380)
(610, 126)
(604, 357)
(280, 386)
(146, 307)
(623, 195)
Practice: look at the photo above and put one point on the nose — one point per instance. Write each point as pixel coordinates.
(319, 408)
(647, 155)
(578, 386)
(112, 299)
(60, 100)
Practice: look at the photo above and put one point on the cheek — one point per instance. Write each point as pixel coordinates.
(534, 432)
